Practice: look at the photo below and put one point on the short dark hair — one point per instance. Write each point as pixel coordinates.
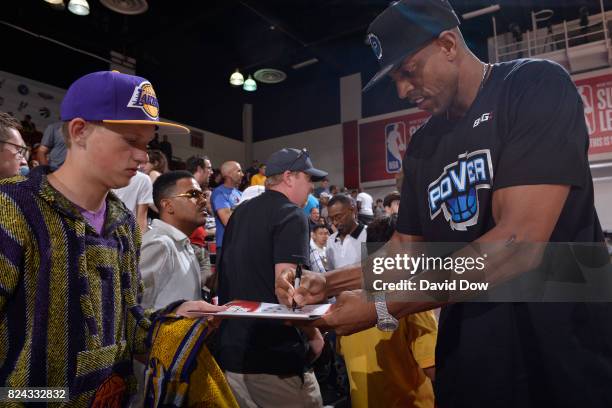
(319, 226)
(192, 163)
(159, 160)
(391, 197)
(165, 183)
(342, 199)
(7, 122)
(381, 229)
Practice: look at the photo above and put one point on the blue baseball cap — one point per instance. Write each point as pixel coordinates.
(113, 97)
(293, 160)
(404, 28)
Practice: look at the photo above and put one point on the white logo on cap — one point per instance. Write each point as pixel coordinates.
(375, 44)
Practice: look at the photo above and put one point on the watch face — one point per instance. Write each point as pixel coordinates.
(387, 325)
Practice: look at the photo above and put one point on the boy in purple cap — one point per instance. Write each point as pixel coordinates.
(69, 281)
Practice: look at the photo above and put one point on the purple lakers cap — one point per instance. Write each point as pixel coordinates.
(113, 97)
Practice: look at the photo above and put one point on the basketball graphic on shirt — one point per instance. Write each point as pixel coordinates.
(455, 192)
(463, 207)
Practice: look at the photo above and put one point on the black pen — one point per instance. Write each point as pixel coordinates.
(298, 278)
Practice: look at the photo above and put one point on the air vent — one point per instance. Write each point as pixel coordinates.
(129, 7)
(270, 76)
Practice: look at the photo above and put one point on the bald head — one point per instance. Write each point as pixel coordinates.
(228, 167)
(232, 173)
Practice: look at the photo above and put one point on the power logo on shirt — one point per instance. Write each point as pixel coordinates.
(454, 192)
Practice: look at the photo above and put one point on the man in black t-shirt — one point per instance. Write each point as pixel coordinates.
(265, 361)
(503, 159)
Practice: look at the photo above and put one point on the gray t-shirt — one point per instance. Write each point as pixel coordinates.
(54, 140)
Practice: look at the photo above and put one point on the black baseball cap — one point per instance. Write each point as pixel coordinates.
(289, 159)
(403, 28)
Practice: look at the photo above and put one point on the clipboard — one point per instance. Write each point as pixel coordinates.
(260, 310)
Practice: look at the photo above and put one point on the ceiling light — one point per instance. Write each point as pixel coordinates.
(236, 79)
(79, 7)
(250, 85)
(56, 4)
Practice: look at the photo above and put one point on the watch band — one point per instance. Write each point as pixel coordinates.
(386, 321)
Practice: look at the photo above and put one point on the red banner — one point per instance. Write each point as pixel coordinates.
(596, 93)
(382, 144)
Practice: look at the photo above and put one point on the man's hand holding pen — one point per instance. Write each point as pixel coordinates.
(310, 289)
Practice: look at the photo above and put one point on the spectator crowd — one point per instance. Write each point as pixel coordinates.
(117, 259)
(183, 211)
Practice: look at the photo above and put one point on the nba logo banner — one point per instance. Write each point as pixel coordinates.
(596, 95)
(395, 142)
(383, 142)
(586, 93)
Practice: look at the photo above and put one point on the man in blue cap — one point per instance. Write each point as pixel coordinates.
(503, 160)
(266, 362)
(69, 281)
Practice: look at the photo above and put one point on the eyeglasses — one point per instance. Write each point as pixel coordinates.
(303, 152)
(197, 194)
(23, 151)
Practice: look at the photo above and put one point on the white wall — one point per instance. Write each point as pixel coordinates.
(218, 148)
(381, 191)
(324, 147)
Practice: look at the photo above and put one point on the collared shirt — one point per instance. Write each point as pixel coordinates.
(348, 251)
(168, 266)
(318, 258)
